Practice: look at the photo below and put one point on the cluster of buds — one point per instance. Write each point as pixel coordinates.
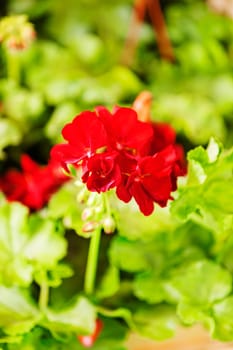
(16, 32)
(94, 215)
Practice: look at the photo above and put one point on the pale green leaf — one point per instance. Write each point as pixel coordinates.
(203, 282)
(28, 243)
(78, 318)
(158, 322)
(17, 313)
(110, 283)
(222, 313)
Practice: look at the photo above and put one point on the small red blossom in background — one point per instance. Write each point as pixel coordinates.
(89, 340)
(140, 159)
(34, 184)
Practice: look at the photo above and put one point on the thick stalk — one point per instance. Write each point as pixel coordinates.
(92, 260)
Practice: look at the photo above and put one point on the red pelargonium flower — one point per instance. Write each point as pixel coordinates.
(34, 185)
(116, 150)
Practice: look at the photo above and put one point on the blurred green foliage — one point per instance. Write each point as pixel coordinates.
(75, 63)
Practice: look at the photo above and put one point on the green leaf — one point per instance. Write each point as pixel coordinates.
(110, 283)
(24, 106)
(222, 313)
(17, 313)
(13, 237)
(10, 134)
(158, 323)
(78, 318)
(62, 114)
(190, 313)
(46, 245)
(203, 121)
(28, 243)
(64, 205)
(203, 282)
(207, 195)
(55, 276)
(132, 224)
(127, 255)
(149, 288)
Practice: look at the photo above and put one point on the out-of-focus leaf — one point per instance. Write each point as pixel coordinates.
(10, 134)
(150, 288)
(78, 318)
(24, 106)
(127, 255)
(158, 322)
(110, 283)
(194, 116)
(17, 313)
(222, 312)
(208, 194)
(63, 114)
(27, 244)
(203, 282)
(131, 223)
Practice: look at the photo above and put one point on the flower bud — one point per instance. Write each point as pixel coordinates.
(109, 224)
(91, 199)
(16, 32)
(90, 226)
(82, 195)
(142, 106)
(87, 213)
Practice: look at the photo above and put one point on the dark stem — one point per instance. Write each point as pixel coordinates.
(159, 24)
(132, 38)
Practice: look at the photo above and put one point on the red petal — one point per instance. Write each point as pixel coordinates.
(143, 200)
(86, 133)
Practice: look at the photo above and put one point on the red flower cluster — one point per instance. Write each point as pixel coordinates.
(116, 150)
(34, 185)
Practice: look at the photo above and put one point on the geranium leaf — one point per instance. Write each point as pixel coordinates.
(149, 288)
(127, 255)
(17, 313)
(28, 243)
(110, 283)
(157, 323)
(203, 198)
(190, 313)
(210, 280)
(222, 313)
(9, 134)
(46, 245)
(79, 318)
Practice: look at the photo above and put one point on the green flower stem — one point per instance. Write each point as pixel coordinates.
(44, 296)
(92, 260)
(13, 65)
(106, 203)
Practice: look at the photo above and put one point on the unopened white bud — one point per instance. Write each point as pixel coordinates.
(109, 224)
(87, 213)
(90, 226)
